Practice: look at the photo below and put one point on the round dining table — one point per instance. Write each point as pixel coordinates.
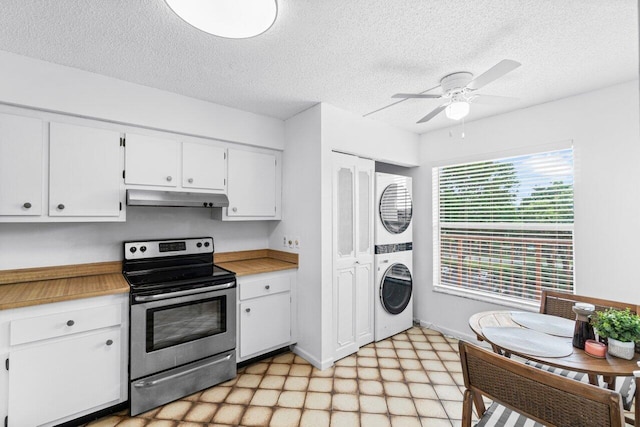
(609, 367)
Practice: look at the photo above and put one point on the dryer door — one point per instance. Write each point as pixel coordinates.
(396, 288)
(395, 208)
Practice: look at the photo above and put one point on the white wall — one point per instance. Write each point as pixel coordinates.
(604, 128)
(39, 84)
(353, 134)
(37, 245)
(301, 218)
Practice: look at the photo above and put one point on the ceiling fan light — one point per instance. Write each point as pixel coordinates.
(457, 110)
(234, 19)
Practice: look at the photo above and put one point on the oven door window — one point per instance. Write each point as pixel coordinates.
(176, 324)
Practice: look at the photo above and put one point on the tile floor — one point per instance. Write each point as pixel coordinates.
(411, 379)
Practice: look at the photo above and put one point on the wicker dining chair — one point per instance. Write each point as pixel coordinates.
(560, 304)
(523, 395)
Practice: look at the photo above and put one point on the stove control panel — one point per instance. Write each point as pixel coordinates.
(164, 248)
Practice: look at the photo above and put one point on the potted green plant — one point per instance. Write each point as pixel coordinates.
(621, 328)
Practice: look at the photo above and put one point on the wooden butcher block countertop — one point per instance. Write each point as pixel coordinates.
(43, 285)
(259, 261)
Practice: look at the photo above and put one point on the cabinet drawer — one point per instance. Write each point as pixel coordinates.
(61, 324)
(264, 286)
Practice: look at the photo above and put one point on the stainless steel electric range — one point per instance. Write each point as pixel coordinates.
(183, 320)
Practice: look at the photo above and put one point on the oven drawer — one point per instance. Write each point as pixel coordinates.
(263, 286)
(66, 323)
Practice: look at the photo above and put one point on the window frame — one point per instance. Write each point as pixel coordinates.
(486, 295)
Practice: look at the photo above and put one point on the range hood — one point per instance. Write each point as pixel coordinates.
(176, 199)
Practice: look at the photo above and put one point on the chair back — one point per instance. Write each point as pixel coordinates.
(560, 303)
(545, 397)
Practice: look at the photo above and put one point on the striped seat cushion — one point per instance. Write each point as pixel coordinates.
(499, 416)
(626, 386)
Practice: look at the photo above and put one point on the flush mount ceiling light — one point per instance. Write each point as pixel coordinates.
(234, 19)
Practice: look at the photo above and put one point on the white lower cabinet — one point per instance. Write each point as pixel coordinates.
(64, 360)
(266, 318)
(64, 377)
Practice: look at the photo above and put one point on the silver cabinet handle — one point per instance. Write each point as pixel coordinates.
(70, 323)
(248, 310)
(109, 342)
(190, 180)
(169, 178)
(234, 209)
(143, 384)
(27, 205)
(61, 206)
(267, 287)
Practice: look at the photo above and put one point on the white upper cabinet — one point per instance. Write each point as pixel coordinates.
(203, 166)
(151, 161)
(85, 171)
(156, 162)
(254, 186)
(59, 172)
(21, 168)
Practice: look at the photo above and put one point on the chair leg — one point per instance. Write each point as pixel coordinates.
(467, 410)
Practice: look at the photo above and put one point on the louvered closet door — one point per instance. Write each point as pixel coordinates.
(352, 253)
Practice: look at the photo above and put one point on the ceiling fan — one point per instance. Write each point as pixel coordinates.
(459, 90)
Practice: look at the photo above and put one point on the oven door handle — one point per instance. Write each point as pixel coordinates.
(144, 384)
(147, 298)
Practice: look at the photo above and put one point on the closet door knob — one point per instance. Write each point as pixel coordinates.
(190, 180)
(267, 287)
(61, 206)
(248, 310)
(169, 178)
(70, 323)
(234, 209)
(109, 342)
(27, 205)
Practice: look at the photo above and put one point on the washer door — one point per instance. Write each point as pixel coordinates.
(396, 288)
(395, 208)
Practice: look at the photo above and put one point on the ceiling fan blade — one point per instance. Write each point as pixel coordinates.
(493, 73)
(492, 99)
(432, 114)
(415, 95)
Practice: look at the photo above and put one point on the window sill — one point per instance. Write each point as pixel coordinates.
(492, 299)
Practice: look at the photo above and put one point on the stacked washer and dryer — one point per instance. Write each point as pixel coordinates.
(393, 256)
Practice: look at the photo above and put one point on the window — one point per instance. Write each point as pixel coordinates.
(504, 227)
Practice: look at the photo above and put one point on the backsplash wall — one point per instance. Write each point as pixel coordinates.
(24, 245)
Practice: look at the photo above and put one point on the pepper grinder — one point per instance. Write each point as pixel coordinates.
(583, 330)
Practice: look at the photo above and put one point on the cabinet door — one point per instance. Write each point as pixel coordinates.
(151, 161)
(265, 323)
(364, 299)
(21, 147)
(252, 184)
(344, 312)
(63, 377)
(203, 166)
(353, 285)
(85, 171)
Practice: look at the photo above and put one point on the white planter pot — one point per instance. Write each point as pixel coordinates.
(623, 350)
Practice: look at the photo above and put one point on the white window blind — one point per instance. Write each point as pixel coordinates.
(504, 227)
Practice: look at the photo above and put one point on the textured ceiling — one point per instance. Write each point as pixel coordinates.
(353, 54)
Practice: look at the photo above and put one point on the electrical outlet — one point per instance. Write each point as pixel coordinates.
(284, 241)
(296, 242)
(290, 242)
